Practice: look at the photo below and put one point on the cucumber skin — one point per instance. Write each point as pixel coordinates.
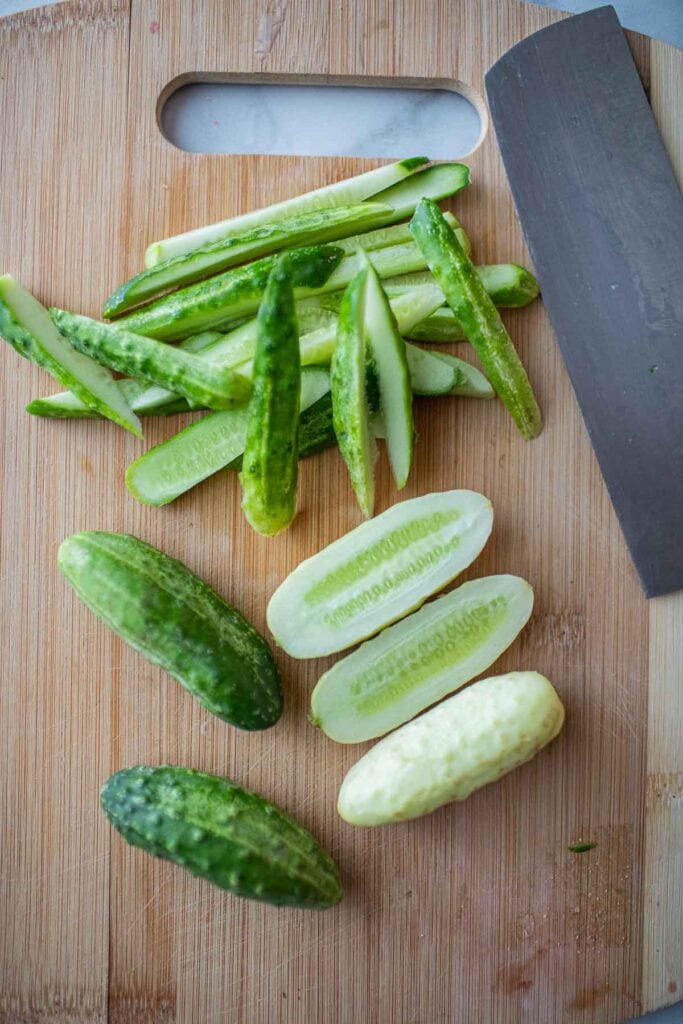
(180, 372)
(270, 464)
(222, 833)
(178, 622)
(237, 292)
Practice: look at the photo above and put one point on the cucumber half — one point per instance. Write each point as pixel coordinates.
(420, 659)
(378, 572)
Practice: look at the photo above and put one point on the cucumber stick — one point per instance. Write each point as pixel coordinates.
(185, 268)
(178, 371)
(470, 382)
(470, 740)
(210, 444)
(350, 410)
(178, 622)
(429, 375)
(381, 238)
(27, 327)
(478, 316)
(387, 354)
(420, 659)
(270, 465)
(222, 833)
(216, 302)
(340, 193)
(508, 285)
(378, 572)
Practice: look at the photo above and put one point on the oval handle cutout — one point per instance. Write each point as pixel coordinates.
(320, 120)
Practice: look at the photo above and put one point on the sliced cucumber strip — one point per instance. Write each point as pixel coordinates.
(430, 375)
(438, 182)
(420, 659)
(181, 372)
(387, 351)
(440, 327)
(340, 193)
(471, 382)
(509, 285)
(26, 325)
(205, 447)
(378, 572)
(465, 743)
(270, 465)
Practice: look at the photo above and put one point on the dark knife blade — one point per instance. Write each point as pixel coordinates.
(603, 219)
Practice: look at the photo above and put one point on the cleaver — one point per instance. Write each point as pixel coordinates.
(602, 215)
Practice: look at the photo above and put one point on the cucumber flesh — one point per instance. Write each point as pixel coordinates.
(417, 661)
(440, 327)
(26, 326)
(438, 182)
(210, 444)
(430, 375)
(183, 373)
(340, 193)
(223, 833)
(470, 740)
(470, 382)
(378, 572)
(177, 622)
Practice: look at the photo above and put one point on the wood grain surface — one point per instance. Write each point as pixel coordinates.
(478, 913)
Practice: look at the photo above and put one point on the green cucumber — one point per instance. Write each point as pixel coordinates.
(316, 430)
(185, 268)
(470, 740)
(350, 411)
(440, 327)
(437, 182)
(378, 572)
(214, 303)
(478, 316)
(178, 622)
(340, 193)
(509, 285)
(387, 353)
(222, 833)
(210, 444)
(471, 382)
(382, 238)
(27, 327)
(270, 465)
(420, 659)
(430, 375)
(183, 373)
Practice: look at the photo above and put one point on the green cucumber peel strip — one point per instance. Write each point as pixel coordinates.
(421, 659)
(378, 572)
(387, 353)
(270, 464)
(313, 227)
(210, 444)
(26, 325)
(181, 372)
(236, 293)
(350, 410)
(478, 316)
(177, 621)
(340, 193)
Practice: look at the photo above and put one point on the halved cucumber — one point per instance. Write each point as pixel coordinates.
(378, 572)
(470, 740)
(340, 193)
(420, 659)
(26, 325)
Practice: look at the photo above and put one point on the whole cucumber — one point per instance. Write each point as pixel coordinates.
(220, 832)
(178, 622)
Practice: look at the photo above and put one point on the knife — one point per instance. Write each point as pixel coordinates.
(602, 215)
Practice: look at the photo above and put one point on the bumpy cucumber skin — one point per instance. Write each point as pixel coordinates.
(222, 833)
(178, 622)
(478, 315)
(235, 293)
(350, 409)
(183, 373)
(469, 741)
(270, 465)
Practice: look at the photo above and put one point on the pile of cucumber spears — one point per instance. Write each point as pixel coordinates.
(324, 361)
(297, 350)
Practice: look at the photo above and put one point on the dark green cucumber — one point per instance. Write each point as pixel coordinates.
(184, 373)
(178, 622)
(214, 303)
(222, 833)
(476, 312)
(270, 465)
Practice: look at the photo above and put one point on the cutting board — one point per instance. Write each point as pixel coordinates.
(478, 913)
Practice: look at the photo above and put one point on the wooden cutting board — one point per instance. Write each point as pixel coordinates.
(479, 913)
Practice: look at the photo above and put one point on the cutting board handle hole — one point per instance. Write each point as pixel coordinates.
(315, 116)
